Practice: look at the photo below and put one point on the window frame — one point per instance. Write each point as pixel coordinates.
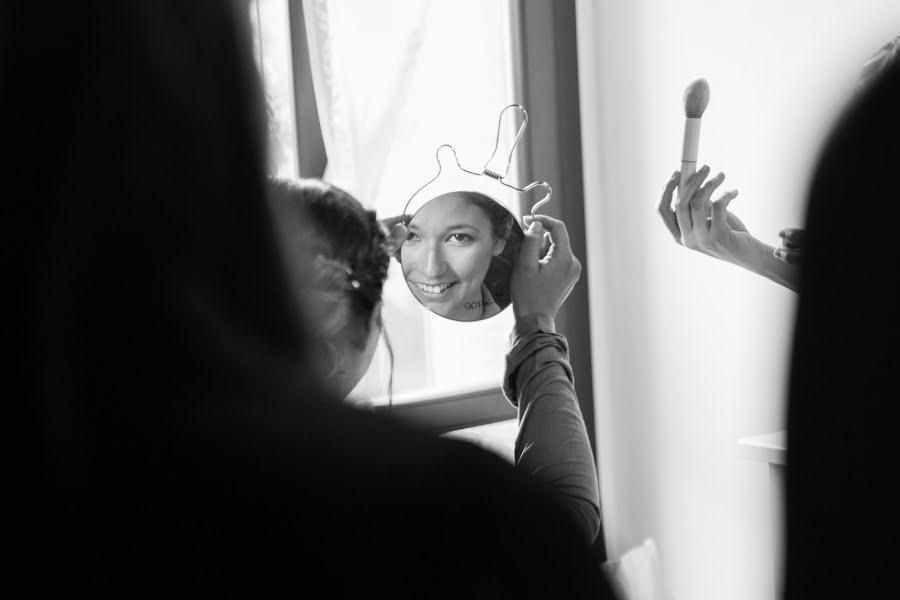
(445, 412)
(547, 75)
(311, 156)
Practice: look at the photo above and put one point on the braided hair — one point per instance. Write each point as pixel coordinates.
(347, 249)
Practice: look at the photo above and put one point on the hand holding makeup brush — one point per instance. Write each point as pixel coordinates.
(702, 224)
(707, 226)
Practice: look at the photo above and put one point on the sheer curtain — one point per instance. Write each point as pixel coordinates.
(272, 51)
(363, 67)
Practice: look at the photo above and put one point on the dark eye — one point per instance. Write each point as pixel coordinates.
(460, 238)
(411, 237)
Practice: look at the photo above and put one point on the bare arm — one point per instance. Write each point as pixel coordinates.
(705, 225)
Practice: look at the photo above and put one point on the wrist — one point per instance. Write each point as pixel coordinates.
(768, 265)
(751, 254)
(534, 322)
(782, 273)
(757, 260)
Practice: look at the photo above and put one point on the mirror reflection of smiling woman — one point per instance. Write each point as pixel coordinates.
(452, 243)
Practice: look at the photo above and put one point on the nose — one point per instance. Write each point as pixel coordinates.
(434, 264)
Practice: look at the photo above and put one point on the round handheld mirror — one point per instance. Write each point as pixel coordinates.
(458, 255)
(460, 244)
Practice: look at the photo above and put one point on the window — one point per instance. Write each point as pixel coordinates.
(394, 80)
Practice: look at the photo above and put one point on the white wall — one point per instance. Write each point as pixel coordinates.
(691, 354)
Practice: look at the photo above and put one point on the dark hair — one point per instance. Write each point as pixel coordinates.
(503, 227)
(347, 251)
(843, 364)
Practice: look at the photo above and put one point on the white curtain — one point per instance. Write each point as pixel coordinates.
(363, 68)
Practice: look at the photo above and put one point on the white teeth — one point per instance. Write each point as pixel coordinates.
(434, 289)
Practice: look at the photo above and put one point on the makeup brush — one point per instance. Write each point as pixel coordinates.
(696, 97)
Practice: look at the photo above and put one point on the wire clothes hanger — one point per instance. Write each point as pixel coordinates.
(499, 174)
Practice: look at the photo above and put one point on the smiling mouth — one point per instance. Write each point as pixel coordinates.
(434, 290)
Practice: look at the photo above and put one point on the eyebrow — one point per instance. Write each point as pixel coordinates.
(413, 227)
(462, 226)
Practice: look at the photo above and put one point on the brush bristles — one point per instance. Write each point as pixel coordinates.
(696, 97)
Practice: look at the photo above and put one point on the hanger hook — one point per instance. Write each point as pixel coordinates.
(543, 200)
(500, 174)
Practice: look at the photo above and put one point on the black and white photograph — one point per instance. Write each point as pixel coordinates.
(452, 298)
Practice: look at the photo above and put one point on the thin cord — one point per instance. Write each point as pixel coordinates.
(390, 349)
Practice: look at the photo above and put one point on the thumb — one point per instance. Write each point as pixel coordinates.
(530, 250)
(396, 237)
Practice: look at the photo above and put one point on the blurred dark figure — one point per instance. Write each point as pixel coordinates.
(842, 499)
(174, 438)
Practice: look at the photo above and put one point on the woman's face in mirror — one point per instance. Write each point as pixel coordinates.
(446, 255)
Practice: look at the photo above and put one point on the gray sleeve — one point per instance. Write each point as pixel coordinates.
(552, 446)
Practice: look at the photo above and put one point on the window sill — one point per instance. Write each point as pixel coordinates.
(443, 412)
(499, 438)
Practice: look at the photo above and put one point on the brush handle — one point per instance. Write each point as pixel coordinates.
(689, 149)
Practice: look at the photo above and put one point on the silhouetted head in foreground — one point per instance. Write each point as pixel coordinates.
(841, 492)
